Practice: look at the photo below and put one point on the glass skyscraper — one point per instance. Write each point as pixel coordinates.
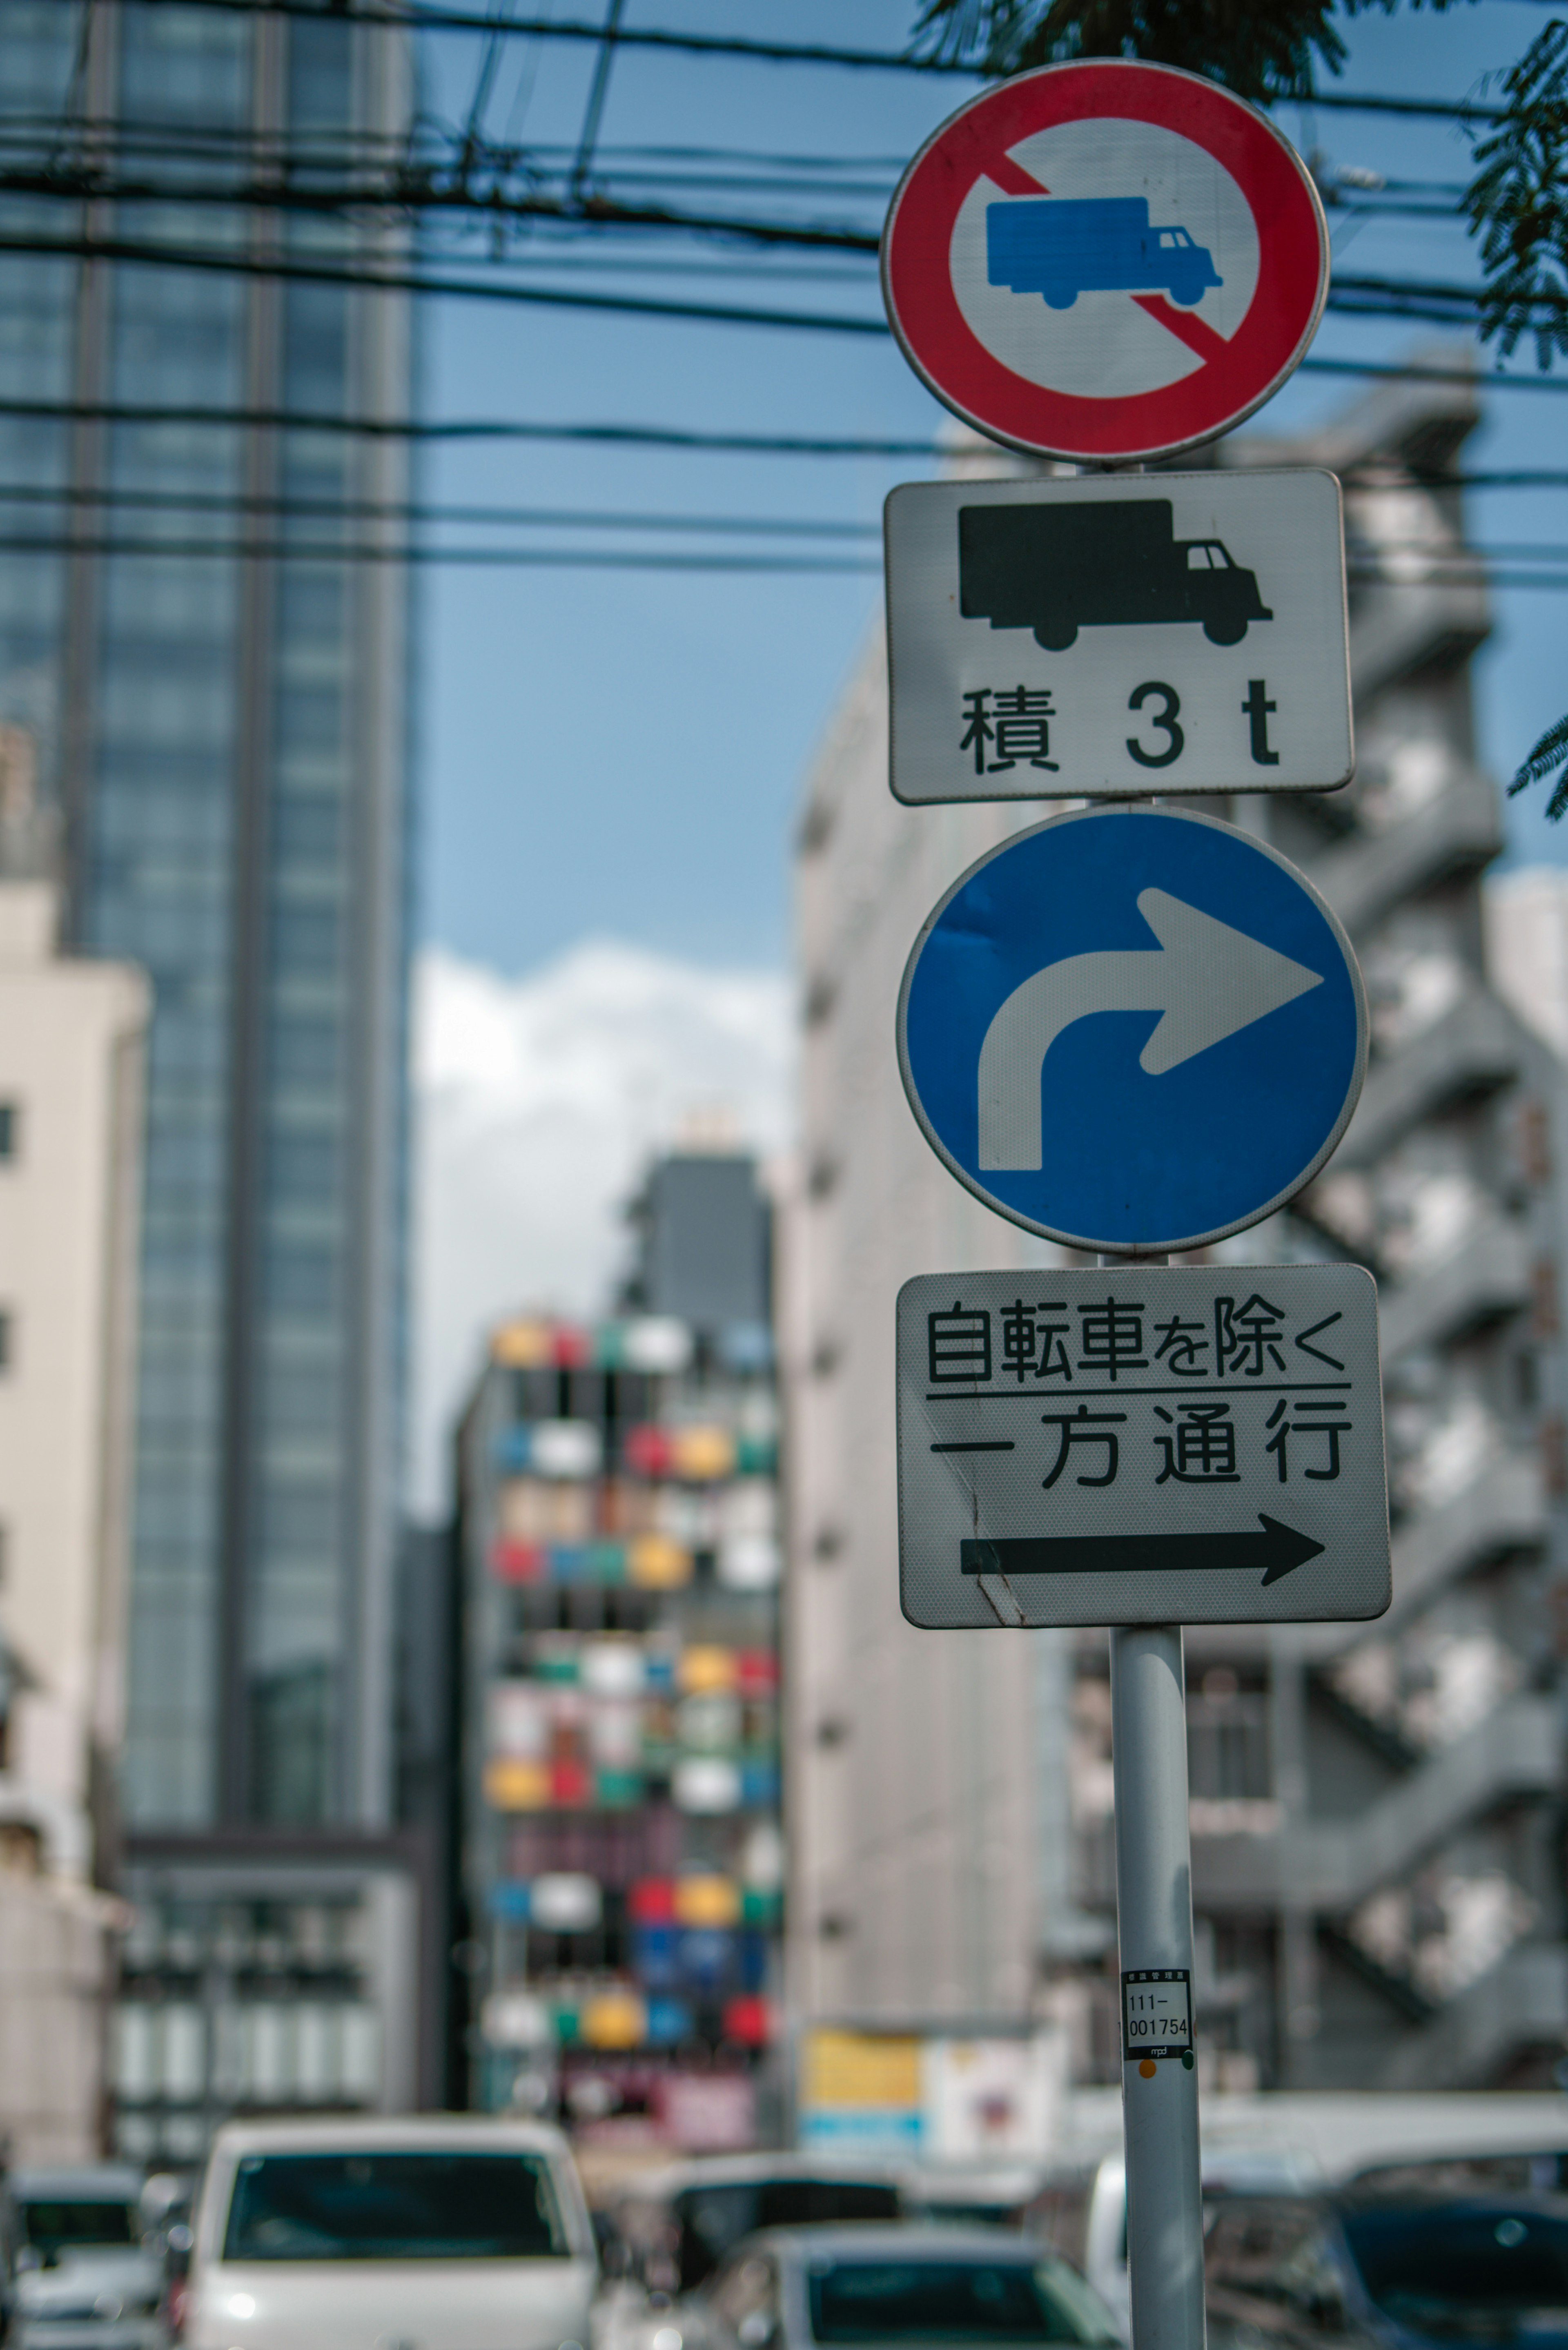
(222, 730)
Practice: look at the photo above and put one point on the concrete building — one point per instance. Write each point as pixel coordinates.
(1377, 1877)
(921, 1766)
(221, 736)
(71, 1041)
(1527, 947)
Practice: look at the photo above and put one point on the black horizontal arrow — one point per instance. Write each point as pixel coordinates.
(1277, 1550)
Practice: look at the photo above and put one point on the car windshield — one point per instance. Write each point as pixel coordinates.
(58, 2223)
(394, 2207)
(954, 2301)
(1463, 2273)
(713, 2217)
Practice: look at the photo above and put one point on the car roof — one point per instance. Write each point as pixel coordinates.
(758, 2169)
(391, 2134)
(99, 2182)
(868, 2238)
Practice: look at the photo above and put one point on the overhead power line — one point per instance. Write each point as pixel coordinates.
(412, 190)
(1356, 297)
(1456, 572)
(418, 17)
(476, 182)
(286, 507)
(410, 281)
(194, 501)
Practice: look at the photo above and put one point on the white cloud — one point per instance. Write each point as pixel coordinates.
(537, 1103)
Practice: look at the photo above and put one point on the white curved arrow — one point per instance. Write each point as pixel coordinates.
(1206, 978)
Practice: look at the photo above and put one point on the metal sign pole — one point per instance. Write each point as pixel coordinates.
(1154, 1938)
(1154, 1926)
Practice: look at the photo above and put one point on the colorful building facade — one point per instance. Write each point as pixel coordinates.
(623, 1860)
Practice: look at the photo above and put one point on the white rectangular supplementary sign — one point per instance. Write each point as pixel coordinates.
(1141, 1444)
(1157, 2013)
(1118, 634)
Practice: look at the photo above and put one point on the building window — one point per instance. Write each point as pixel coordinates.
(10, 1131)
(7, 1338)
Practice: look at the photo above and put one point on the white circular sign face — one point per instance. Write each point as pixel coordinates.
(1103, 344)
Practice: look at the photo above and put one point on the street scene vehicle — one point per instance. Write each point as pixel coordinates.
(1414, 2255)
(460, 2235)
(679, 2223)
(1113, 562)
(1065, 247)
(87, 2279)
(791, 2289)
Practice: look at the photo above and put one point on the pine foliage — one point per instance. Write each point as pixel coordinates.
(1516, 204)
(1262, 49)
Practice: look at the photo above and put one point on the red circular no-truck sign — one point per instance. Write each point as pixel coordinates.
(1104, 262)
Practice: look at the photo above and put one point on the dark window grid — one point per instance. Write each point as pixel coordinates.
(28, 522)
(40, 51)
(302, 1166)
(307, 938)
(191, 1529)
(307, 1051)
(307, 1458)
(312, 719)
(318, 1235)
(306, 1402)
(153, 377)
(10, 1131)
(187, 1156)
(307, 828)
(175, 67)
(320, 76)
(179, 1461)
(187, 1151)
(175, 817)
(309, 998)
(201, 1054)
(299, 1276)
(166, 354)
(201, 458)
(169, 1393)
(7, 1338)
(180, 928)
(316, 660)
(189, 712)
(313, 599)
(157, 611)
(194, 773)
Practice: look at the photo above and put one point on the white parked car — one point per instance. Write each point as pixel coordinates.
(85, 2279)
(426, 2233)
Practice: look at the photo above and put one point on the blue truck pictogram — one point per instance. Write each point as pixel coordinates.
(1064, 246)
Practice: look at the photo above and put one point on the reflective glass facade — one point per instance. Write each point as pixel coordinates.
(222, 733)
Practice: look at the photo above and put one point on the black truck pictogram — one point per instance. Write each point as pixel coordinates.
(1109, 563)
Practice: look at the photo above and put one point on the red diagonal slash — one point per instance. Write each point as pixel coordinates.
(1196, 333)
(1013, 179)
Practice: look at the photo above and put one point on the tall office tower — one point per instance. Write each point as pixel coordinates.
(221, 729)
(622, 1859)
(1376, 1874)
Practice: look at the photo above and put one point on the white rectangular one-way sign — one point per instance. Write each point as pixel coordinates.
(1118, 634)
(1141, 1444)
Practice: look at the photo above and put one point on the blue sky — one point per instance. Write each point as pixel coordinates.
(620, 754)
